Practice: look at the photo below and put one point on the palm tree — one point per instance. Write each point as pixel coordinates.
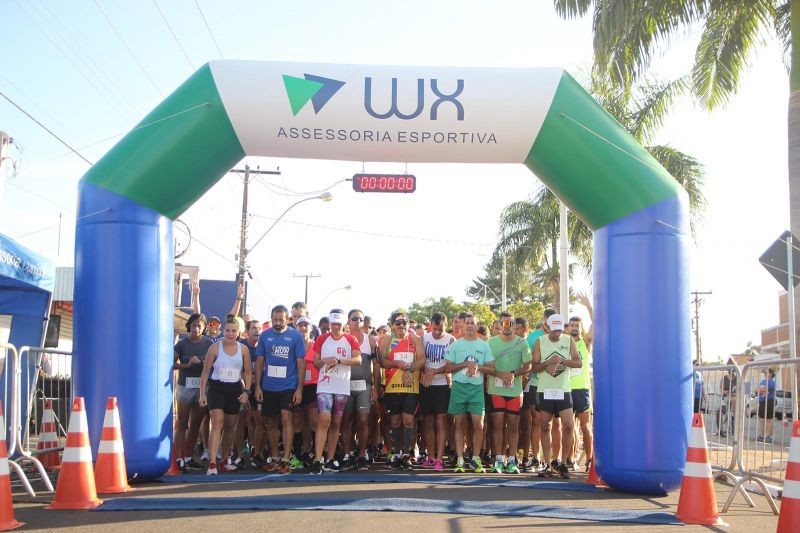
(529, 229)
(628, 32)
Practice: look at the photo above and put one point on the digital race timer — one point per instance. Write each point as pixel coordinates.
(384, 183)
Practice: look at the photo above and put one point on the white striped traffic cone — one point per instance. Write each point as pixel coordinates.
(48, 438)
(698, 501)
(76, 488)
(110, 474)
(789, 519)
(7, 521)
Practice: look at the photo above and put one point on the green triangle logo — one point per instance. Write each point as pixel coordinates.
(300, 91)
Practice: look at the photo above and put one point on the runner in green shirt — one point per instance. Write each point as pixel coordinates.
(553, 356)
(468, 359)
(512, 359)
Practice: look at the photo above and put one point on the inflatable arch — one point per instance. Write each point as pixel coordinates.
(541, 118)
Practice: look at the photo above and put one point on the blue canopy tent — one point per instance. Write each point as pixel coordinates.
(26, 286)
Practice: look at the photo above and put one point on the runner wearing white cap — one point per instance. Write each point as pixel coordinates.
(553, 354)
(335, 353)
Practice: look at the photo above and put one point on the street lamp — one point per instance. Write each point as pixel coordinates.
(345, 288)
(325, 197)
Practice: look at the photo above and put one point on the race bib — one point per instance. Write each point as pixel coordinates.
(308, 375)
(358, 385)
(192, 383)
(406, 357)
(229, 374)
(553, 394)
(498, 382)
(274, 371)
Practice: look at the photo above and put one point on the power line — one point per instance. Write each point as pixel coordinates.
(209, 29)
(378, 234)
(119, 35)
(71, 62)
(45, 128)
(173, 34)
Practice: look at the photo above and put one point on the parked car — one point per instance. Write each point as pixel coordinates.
(783, 404)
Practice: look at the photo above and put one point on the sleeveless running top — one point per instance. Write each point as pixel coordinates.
(228, 368)
(550, 349)
(364, 370)
(580, 376)
(401, 350)
(435, 352)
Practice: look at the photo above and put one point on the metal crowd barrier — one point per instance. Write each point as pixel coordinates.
(12, 386)
(760, 459)
(53, 383)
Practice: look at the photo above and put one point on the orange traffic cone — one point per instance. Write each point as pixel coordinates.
(173, 465)
(48, 438)
(76, 488)
(698, 501)
(594, 479)
(7, 521)
(789, 519)
(110, 474)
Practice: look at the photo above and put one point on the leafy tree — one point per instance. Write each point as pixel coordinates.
(423, 311)
(531, 310)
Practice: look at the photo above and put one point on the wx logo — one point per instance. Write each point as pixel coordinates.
(315, 88)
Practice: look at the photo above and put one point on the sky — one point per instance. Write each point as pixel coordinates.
(90, 70)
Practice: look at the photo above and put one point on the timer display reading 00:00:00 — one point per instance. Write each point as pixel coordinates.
(384, 183)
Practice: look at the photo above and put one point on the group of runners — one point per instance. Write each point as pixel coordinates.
(292, 397)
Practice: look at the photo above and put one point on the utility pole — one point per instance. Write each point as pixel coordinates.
(243, 231)
(697, 301)
(306, 276)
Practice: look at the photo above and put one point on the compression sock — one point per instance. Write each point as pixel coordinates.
(408, 440)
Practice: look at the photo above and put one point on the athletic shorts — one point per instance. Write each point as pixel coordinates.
(359, 400)
(553, 406)
(401, 402)
(309, 395)
(766, 409)
(529, 398)
(466, 398)
(334, 404)
(186, 395)
(504, 404)
(434, 400)
(224, 396)
(275, 402)
(581, 401)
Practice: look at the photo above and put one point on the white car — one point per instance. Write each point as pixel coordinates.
(783, 404)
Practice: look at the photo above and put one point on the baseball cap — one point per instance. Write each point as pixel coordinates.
(336, 318)
(555, 322)
(302, 320)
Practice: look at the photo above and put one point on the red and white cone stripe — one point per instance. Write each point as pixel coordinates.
(48, 432)
(789, 519)
(77, 449)
(111, 439)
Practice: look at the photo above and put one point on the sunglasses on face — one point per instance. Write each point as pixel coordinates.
(213, 324)
(400, 323)
(356, 319)
(506, 323)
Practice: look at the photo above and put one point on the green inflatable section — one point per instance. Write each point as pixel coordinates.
(592, 163)
(176, 153)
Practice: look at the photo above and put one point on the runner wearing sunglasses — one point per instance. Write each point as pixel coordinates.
(402, 356)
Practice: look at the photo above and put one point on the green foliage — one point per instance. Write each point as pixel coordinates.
(422, 311)
(531, 310)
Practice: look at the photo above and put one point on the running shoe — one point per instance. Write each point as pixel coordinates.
(438, 465)
(284, 467)
(512, 467)
(194, 465)
(204, 457)
(295, 463)
(498, 466)
(308, 459)
(588, 465)
(229, 465)
(212, 469)
(477, 465)
(316, 468)
(396, 463)
(347, 461)
(572, 466)
(408, 463)
(362, 463)
(270, 465)
(427, 463)
(563, 470)
(181, 463)
(459, 465)
(332, 466)
(554, 464)
(486, 457)
(546, 471)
